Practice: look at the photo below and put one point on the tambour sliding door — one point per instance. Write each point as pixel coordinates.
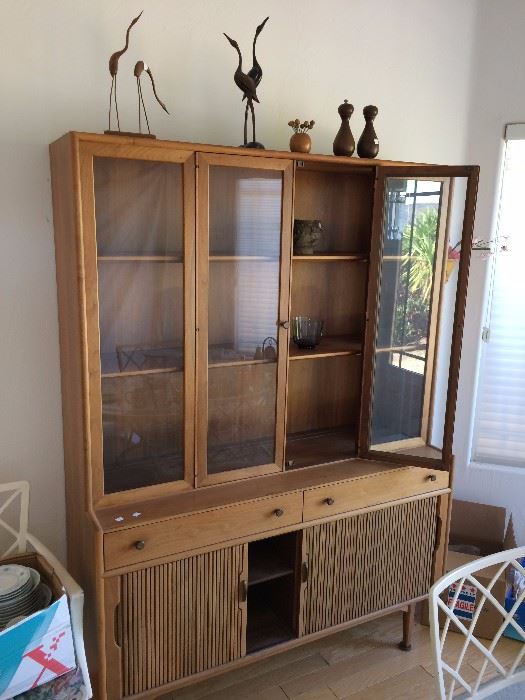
(244, 224)
(177, 619)
(368, 562)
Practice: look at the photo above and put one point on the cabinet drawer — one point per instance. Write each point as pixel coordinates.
(187, 532)
(371, 490)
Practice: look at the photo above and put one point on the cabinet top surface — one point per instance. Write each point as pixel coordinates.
(137, 141)
(143, 511)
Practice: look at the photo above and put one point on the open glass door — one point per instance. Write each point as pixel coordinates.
(421, 245)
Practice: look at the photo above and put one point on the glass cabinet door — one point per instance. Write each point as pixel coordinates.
(411, 344)
(142, 288)
(242, 315)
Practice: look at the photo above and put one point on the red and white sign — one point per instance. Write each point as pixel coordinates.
(465, 604)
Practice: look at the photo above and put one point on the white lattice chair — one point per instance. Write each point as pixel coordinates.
(493, 674)
(15, 539)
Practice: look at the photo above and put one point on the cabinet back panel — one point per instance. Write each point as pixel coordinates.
(141, 303)
(180, 618)
(244, 304)
(343, 204)
(241, 416)
(142, 430)
(245, 209)
(332, 291)
(368, 562)
(323, 393)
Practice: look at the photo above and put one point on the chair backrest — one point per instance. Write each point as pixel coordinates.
(499, 661)
(14, 516)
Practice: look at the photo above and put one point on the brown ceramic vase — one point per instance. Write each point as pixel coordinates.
(301, 143)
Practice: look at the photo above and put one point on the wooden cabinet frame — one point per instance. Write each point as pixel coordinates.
(124, 535)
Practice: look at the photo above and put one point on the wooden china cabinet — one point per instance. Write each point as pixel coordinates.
(229, 494)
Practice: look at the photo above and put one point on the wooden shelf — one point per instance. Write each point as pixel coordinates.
(243, 258)
(269, 570)
(271, 559)
(319, 446)
(140, 372)
(141, 360)
(331, 257)
(239, 363)
(330, 346)
(140, 258)
(227, 356)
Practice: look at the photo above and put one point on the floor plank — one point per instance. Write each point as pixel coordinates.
(357, 664)
(414, 684)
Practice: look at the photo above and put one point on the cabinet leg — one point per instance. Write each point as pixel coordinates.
(408, 627)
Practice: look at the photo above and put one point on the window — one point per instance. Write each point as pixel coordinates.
(499, 431)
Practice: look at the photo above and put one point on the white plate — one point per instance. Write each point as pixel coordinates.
(13, 577)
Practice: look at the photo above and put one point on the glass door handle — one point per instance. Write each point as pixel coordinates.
(284, 324)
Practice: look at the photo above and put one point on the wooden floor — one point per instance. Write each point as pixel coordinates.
(361, 663)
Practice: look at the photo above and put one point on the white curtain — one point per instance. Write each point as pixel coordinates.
(499, 435)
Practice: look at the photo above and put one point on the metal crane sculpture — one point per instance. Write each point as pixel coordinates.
(113, 70)
(247, 83)
(255, 72)
(140, 67)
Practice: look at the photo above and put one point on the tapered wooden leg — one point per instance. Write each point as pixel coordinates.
(408, 627)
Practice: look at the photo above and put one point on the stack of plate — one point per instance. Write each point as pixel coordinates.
(21, 593)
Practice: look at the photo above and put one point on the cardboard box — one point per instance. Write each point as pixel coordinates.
(40, 647)
(485, 528)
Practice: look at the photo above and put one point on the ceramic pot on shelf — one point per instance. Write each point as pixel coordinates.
(300, 143)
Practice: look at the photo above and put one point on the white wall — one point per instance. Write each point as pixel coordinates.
(413, 59)
(497, 98)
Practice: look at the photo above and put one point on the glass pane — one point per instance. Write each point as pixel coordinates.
(241, 416)
(140, 275)
(409, 299)
(138, 207)
(243, 312)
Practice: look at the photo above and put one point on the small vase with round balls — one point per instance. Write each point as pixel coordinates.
(301, 141)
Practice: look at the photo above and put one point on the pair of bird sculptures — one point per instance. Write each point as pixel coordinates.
(140, 68)
(246, 82)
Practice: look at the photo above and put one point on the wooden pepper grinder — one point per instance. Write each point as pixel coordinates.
(368, 144)
(344, 144)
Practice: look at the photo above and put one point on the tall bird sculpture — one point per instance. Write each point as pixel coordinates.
(255, 72)
(113, 70)
(140, 67)
(246, 83)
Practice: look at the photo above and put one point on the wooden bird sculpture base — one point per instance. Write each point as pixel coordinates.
(134, 134)
(252, 144)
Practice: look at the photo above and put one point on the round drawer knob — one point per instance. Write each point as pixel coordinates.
(329, 501)
(285, 324)
(431, 477)
(140, 544)
(278, 512)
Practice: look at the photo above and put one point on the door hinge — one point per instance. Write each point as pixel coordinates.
(485, 334)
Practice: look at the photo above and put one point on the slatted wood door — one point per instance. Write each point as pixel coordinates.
(367, 562)
(180, 618)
